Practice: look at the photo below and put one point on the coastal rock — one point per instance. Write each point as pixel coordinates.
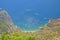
(54, 23)
(6, 24)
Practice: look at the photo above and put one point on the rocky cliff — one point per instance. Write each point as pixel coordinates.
(50, 32)
(54, 22)
(6, 24)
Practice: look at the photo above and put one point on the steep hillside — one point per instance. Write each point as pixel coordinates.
(6, 24)
(50, 32)
(54, 23)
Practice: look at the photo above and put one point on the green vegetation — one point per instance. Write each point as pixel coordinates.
(51, 31)
(16, 36)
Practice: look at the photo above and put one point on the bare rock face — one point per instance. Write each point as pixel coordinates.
(54, 23)
(51, 30)
(6, 24)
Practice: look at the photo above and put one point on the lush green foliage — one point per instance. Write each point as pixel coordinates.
(16, 36)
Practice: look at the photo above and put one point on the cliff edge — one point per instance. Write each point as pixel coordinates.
(6, 24)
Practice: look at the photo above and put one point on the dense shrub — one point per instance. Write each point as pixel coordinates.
(16, 36)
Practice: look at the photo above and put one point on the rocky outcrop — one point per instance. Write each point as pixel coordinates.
(50, 32)
(53, 23)
(6, 24)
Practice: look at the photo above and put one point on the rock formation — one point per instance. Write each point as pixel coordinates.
(54, 23)
(6, 24)
(49, 32)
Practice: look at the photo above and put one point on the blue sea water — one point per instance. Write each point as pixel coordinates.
(31, 14)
